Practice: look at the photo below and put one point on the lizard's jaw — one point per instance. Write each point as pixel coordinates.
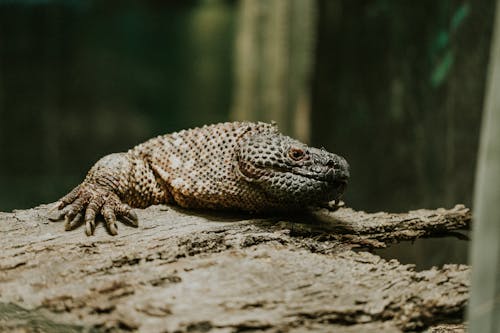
(338, 181)
(328, 185)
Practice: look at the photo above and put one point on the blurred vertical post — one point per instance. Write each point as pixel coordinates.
(484, 305)
(274, 55)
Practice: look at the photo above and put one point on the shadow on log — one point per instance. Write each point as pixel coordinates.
(192, 272)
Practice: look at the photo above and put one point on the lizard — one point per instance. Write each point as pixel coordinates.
(244, 166)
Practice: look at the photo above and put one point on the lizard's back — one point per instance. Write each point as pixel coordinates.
(198, 165)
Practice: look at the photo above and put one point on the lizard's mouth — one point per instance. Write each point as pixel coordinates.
(255, 173)
(328, 175)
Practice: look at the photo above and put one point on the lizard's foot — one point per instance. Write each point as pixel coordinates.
(86, 201)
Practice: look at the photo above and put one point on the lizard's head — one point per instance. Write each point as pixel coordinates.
(290, 171)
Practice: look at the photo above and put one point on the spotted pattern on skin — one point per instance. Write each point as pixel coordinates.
(175, 162)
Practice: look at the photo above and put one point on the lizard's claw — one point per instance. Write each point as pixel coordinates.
(86, 201)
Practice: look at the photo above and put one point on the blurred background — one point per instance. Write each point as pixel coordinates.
(396, 87)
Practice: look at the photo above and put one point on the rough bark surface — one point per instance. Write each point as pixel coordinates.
(194, 272)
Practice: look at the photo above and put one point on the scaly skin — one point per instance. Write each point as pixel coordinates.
(238, 166)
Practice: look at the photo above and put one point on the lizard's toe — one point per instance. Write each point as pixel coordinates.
(72, 223)
(110, 218)
(113, 209)
(127, 214)
(92, 210)
(70, 210)
(69, 198)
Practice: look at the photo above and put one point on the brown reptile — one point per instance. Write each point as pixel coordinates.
(235, 165)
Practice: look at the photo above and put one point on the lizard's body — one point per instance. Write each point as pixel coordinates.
(238, 165)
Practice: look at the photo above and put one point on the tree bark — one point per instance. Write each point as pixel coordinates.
(196, 272)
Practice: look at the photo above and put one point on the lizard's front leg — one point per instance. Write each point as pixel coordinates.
(114, 185)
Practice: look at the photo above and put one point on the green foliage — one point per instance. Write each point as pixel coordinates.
(442, 69)
(441, 46)
(459, 16)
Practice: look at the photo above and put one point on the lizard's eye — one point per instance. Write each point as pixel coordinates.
(296, 154)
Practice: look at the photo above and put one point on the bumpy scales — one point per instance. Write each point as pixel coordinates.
(239, 166)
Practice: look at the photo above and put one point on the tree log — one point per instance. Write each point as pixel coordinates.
(184, 271)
